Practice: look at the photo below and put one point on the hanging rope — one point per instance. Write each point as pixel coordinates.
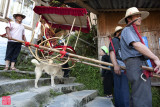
(147, 73)
(112, 44)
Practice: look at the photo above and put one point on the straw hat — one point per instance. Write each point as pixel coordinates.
(118, 28)
(105, 49)
(19, 14)
(133, 11)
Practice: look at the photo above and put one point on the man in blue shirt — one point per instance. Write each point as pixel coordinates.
(121, 87)
(133, 52)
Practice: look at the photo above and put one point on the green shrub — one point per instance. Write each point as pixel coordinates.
(155, 96)
(24, 62)
(89, 76)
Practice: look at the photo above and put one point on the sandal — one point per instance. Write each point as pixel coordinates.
(109, 96)
(14, 69)
(6, 69)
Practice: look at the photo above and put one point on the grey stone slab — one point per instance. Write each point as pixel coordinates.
(57, 80)
(74, 99)
(20, 85)
(100, 102)
(24, 84)
(155, 81)
(155, 84)
(4, 79)
(35, 97)
(21, 72)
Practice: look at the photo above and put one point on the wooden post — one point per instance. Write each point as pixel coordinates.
(106, 23)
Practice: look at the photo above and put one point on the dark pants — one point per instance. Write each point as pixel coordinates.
(141, 95)
(121, 90)
(108, 83)
(13, 50)
(66, 71)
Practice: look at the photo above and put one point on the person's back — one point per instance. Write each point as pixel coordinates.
(105, 58)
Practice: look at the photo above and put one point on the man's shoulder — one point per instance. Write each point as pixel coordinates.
(126, 29)
(22, 26)
(12, 22)
(115, 39)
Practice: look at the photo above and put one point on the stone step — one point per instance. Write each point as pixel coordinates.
(25, 73)
(74, 99)
(4, 79)
(21, 72)
(100, 102)
(29, 73)
(155, 82)
(24, 84)
(36, 97)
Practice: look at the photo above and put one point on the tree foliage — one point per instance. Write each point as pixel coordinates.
(85, 49)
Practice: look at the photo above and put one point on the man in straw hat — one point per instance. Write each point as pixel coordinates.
(14, 30)
(133, 51)
(121, 88)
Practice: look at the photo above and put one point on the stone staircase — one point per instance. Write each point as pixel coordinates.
(66, 93)
(155, 82)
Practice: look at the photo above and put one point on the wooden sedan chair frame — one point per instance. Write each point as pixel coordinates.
(50, 17)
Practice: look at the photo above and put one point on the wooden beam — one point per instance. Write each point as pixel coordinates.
(117, 10)
(82, 4)
(72, 1)
(69, 1)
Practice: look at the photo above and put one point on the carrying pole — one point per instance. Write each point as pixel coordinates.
(77, 56)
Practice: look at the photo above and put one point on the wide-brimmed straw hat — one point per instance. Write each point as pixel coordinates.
(118, 28)
(19, 14)
(133, 11)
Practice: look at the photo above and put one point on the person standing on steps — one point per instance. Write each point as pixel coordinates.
(14, 30)
(121, 87)
(107, 75)
(133, 54)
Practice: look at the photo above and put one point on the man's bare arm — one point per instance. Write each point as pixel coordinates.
(146, 52)
(8, 33)
(115, 64)
(24, 38)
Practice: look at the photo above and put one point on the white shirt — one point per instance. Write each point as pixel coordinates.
(16, 30)
(37, 30)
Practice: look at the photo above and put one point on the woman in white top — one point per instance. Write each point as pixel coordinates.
(14, 30)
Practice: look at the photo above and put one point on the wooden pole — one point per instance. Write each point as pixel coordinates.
(82, 57)
(87, 63)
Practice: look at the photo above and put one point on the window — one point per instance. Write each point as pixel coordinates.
(22, 6)
(3, 7)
